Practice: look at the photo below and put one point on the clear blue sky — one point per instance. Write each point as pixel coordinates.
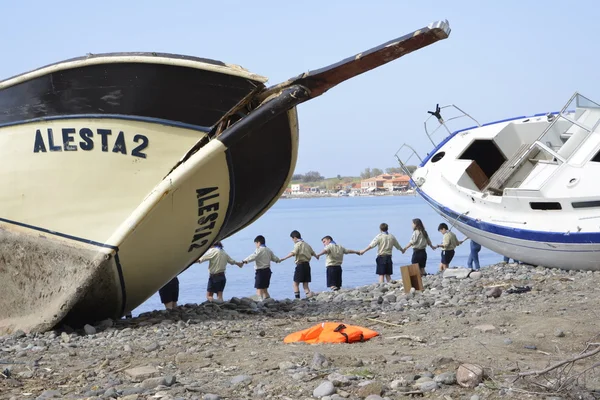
(502, 59)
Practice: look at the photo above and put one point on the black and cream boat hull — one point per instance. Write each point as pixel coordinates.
(120, 170)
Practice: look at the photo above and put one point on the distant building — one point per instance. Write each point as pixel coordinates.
(298, 188)
(370, 183)
(385, 182)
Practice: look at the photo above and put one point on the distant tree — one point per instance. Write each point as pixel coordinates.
(366, 174)
(393, 170)
(411, 168)
(312, 176)
(339, 176)
(376, 171)
(297, 177)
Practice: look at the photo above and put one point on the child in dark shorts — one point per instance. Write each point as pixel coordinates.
(449, 243)
(217, 263)
(384, 242)
(333, 263)
(262, 258)
(303, 253)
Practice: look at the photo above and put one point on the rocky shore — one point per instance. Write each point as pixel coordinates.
(457, 339)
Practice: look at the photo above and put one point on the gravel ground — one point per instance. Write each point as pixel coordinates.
(458, 339)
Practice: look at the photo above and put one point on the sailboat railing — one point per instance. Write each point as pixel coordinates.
(403, 161)
(443, 123)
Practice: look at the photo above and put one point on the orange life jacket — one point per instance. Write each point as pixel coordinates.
(331, 332)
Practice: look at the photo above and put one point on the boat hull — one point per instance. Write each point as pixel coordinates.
(96, 242)
(555, 250)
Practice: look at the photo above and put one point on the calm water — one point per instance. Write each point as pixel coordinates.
(351, 221)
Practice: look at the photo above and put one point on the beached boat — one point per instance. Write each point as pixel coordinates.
(524, 187)
(120, 170)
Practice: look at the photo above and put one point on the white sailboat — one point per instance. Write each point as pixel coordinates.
(524, 187)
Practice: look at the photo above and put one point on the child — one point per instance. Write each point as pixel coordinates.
(303, 253)
(449, 243)
(419, 241)
(333, 263)
(169, 294)
(262, 258)
(385, 242)
(217, 263)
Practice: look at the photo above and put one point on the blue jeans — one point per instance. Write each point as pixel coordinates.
(474, 255)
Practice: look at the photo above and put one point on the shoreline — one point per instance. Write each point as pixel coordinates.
(235, 350)
(319, 195)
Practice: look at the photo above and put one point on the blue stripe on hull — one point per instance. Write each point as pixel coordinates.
(515, 233)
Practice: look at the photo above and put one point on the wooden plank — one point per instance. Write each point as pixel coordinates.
(411, 277)
(477, 175)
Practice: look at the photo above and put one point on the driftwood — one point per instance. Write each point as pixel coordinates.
(560, 364)
(408, 337)
(383, 322)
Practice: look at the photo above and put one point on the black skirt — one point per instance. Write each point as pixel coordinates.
(419, 256)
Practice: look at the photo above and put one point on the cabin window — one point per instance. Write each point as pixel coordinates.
(545, 205)
(486, 154)
(438, 157)
(586, 204)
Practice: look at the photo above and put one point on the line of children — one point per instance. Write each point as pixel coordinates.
(303, 253)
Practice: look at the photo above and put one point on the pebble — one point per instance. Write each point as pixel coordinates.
(89, 330)
(559, 332)
(447, 378)
(429, 386)
(210, 396)
(326, 388)
(241, 380)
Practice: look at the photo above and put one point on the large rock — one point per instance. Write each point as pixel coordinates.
(469, 375)
(457, 273)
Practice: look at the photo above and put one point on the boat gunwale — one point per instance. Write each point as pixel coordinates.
(176, 60)
(450, 136)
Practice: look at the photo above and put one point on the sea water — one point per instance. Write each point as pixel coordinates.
(352, 222)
